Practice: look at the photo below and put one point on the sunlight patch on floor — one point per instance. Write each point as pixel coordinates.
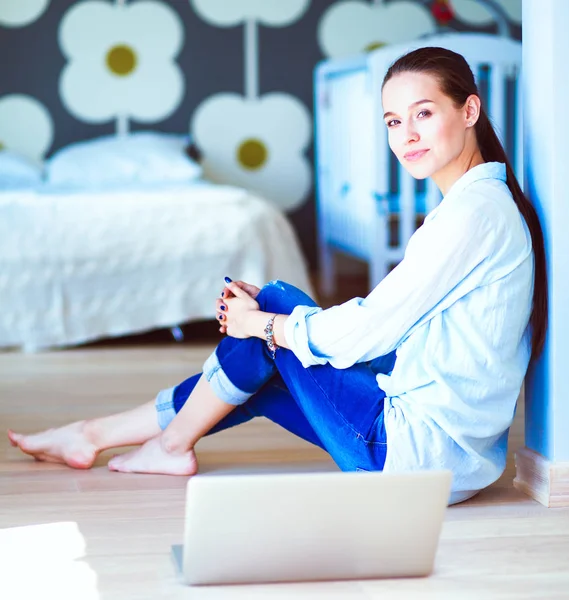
(44, 561)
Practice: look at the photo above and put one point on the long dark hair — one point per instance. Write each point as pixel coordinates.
(457, 82)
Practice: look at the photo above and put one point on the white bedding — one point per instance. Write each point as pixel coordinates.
(78, 266)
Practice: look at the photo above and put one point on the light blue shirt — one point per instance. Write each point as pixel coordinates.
(456, 309)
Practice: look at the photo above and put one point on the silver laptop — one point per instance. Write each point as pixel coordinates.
(311, 526)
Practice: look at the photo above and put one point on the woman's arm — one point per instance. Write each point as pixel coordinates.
(448, 257)
(257, 321)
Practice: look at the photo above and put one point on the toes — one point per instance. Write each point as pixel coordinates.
(14, 438)
(116, 463)
(119, 468)
(23, 446)
(26, 443)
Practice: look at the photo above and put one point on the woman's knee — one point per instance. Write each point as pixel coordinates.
(281, 297)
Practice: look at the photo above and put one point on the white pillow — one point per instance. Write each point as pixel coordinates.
(141, 157)
(17, 171)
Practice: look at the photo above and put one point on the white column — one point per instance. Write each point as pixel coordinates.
(546, 153)
(546, 148)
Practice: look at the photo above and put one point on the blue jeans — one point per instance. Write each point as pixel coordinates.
(340, 410)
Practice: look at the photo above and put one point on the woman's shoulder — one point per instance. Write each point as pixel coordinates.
(486, 199)
(491, 204)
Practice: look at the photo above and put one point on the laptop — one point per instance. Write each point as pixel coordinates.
(311, 526)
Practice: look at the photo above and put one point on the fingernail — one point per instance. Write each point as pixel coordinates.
(221, 307)
(223, 294)
(227, 280)
(220, 317)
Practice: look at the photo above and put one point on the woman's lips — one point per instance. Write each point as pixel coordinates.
(415, 155)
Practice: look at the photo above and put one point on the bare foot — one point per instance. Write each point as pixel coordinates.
(70, 445)
(151, 457)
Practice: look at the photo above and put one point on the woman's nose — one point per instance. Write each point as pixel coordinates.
(411, 134)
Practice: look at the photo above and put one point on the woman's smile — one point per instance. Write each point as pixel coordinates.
(415, 155)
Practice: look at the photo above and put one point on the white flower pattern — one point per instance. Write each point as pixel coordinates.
(26, 126)
(19, 13)
(354, 26)
(273, 13)
(121, 61)
(257, 144)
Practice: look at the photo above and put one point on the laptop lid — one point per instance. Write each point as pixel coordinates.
(312, 526)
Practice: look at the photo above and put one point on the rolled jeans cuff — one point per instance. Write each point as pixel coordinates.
(221, 385)
(165, 407)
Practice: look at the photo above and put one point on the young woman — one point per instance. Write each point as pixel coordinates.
(423, 373)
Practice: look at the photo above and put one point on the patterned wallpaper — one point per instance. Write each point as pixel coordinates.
(236, 74)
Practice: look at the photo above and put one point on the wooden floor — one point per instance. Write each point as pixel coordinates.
(101, 535)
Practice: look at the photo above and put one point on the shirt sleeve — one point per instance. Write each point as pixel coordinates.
(441, 256)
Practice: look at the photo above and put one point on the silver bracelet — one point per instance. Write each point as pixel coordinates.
(269, 337)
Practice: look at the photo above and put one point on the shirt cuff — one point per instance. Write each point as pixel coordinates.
(296, 335)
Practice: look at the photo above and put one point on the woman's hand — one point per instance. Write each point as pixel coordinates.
(232, 310)
(249, 288)
(226, 293)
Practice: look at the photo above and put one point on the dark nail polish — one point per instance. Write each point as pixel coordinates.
(221, 307)
(223, 294)
(220, 317)
(227, 280)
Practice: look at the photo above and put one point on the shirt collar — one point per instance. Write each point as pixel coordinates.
(489, 170)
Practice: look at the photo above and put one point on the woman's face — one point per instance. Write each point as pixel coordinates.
(425, 129)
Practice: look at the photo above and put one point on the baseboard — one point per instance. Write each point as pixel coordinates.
(543, 480)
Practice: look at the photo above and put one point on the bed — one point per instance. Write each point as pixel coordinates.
(78, 265)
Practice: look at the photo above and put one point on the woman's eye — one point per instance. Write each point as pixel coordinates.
(392, 122)
(424, 113)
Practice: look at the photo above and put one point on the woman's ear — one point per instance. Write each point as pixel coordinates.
(472, 109)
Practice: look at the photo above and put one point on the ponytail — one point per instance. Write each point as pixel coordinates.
(492, 150)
